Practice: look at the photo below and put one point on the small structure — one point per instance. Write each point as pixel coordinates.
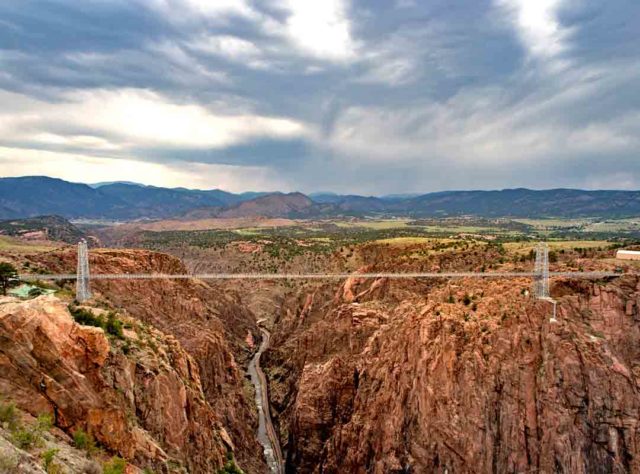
(29, 291)
(628, 254)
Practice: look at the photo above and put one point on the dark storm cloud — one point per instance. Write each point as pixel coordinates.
(367, 96)
(280, 153)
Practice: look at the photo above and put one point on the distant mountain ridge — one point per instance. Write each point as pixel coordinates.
(40, 195)
(107, 183)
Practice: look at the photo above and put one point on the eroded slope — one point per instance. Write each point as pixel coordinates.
(464, 376)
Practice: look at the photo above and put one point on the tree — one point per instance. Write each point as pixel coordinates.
(8, 276)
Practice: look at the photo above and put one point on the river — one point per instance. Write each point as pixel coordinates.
(266, 433)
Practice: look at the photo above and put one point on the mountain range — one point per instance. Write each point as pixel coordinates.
(39, 195)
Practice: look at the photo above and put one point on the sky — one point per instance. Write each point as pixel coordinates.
(350, 96)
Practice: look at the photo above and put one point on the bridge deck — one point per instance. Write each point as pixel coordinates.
(320, 276)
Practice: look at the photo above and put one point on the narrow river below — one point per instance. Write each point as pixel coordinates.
(267, 435)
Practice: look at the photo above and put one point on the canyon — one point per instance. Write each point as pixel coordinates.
(363, 375)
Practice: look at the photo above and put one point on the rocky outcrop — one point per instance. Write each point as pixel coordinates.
(209, 322)
(141, 397)
(469, 376)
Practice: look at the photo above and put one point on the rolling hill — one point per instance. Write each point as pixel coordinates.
(273, 205)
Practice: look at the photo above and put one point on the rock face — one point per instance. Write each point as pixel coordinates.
(210, 323)
(140, 397)
(469, 376)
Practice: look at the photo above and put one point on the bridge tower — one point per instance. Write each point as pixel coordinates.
(541, 278)
(83, 290)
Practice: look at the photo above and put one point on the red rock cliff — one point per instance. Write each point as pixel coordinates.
(140, 397)
(209, 322)
(381, 378)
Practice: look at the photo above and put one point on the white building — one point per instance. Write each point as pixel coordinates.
(628, 254)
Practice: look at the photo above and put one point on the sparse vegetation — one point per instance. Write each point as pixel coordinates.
(47, 460)
(116, 465)
(111, 325)
(44, 422)
(230, 467)
(29, 437)
(466, 299)
(85, 441)
(9, 415)
(86, 317)
(25, 438)
(8, 463)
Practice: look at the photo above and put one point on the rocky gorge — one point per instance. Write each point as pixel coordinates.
(364, 376)
(466, 376)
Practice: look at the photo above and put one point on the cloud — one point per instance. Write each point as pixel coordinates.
(231, 48)
(488, 136)
(217, 10)
(393, 63)
(321, 29)
(132, 118)
(346, 95)
(538, 25)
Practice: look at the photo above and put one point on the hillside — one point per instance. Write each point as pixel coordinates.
(525, 203)
(273, 205)
(54, 228)
(39, 195)
(32, 196)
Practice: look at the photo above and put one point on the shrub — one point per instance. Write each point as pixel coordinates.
(230, 466)
(466, 300)
(84, 440)
(114, 326)
(25, 438)
(86, 317)
(47, 458)
(115, 466)
(44, 422)
(9, 415)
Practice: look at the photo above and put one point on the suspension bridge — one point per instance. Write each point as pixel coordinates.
(540, 275)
